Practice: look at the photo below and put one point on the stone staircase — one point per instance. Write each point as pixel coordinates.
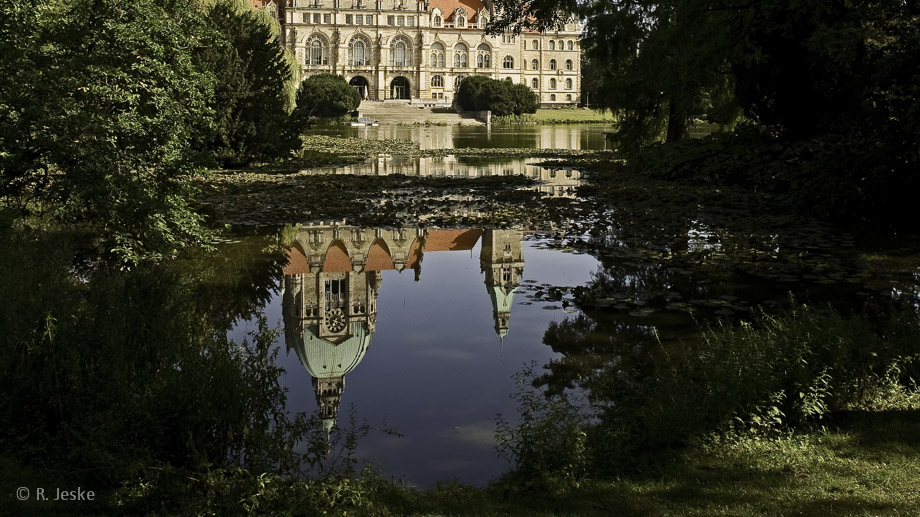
(402, 112)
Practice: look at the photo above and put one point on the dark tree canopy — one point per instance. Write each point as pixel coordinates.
(480, 93)
(108, 108)
(96, 111)
(251, 78)
(325, 96)
(800, 68)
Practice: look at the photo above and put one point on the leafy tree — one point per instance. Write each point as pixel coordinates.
(251, 79)
(802, 68)
(480, 93)
(325, 96)
(96, 114)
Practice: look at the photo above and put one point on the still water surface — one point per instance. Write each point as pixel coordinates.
(424, 327)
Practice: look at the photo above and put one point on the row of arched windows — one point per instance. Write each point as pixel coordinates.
(553, 45)
(437, 81)
(359, 51)
(553, 84)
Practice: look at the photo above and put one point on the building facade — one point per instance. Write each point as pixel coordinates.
(421, 50)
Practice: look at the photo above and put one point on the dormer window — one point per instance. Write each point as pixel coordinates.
(460, 18)
(437, 21)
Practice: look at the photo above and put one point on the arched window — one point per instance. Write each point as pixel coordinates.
(460, 18)
(571, 45)
(552, 64)
(437, 20)
(534, 45)
(401, 53)
(552, 97)
(552, 45)
(358, 52)
(317, 53)
(535, 64)
(437, 55)
(437, 81)
(568, 64)
(457, 81)
(568, 84)
(483, 56)
(561, 45)
(552, 84)
(461, 55)
(568, 97)
(508, 62)
(535, 83)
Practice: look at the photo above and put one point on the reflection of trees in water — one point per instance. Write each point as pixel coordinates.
(590, 348)
(117, 370)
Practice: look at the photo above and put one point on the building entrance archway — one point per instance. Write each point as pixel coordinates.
(399, 88)
(361, 84)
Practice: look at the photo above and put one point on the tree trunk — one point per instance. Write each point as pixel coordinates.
(678, 122)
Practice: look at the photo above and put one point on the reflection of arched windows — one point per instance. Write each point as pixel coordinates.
(508, 62)
(535, 83)
(461, 55)
(317, 52)
(552, 45)
(401, 53)
(568, 84)
(568, 64)
(552, 84)
(571, 45)
(483, 56)
(437, 55)
(535, 65)
(552, 64)
(437, 81)
(359, 52)
(534, 45)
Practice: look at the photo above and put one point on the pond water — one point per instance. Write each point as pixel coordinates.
(424, 327)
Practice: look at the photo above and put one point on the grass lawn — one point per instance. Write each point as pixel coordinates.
(572, 115)
(868, 465)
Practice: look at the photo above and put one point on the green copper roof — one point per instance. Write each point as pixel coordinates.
(324, 359)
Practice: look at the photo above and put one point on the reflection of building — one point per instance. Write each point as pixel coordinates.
(331, 282)
(553, 182)
(502, 260)
(398, 49)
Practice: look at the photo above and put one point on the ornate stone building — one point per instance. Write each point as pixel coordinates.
(421, 50)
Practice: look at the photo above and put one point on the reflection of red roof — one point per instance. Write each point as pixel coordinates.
(449, 6)
(297, 261)
(337, 260)
(378, 257)
(451, 240)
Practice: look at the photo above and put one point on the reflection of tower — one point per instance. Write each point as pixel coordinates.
(502, 260)
(330, 300)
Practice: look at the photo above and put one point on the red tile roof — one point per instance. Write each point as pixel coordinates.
(451, 240)
(449, 6)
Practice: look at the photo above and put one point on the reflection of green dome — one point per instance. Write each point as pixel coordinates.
(501, 301)
(324, 359)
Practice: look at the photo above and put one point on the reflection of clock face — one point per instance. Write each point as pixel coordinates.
(335, 320)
